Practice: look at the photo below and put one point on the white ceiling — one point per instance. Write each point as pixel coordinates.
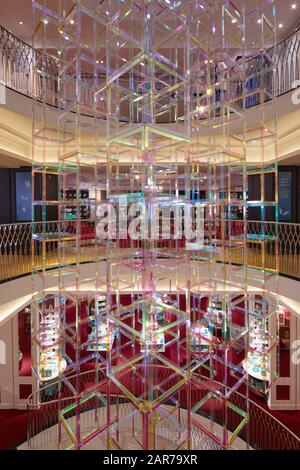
(290, 161)
(7, 161)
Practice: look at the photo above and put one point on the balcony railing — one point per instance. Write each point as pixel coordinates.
(16, 246)
(264, 431)
(17, 59)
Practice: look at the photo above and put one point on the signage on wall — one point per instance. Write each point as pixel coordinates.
(23, 196)
(285, 196)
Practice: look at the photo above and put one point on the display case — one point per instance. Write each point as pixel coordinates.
(72, 208)
(49, 360)
(101, 336)
(216, 312)
(201, 337)
(257, 362)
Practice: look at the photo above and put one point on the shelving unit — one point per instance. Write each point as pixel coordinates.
(258, 362)
(74, 204)
(49, 360)
(101, 337)
(201, 337)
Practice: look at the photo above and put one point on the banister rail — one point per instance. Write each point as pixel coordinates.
(17, 61)
(16, 245)
(43, 406)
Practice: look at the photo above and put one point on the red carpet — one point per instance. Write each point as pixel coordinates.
(13, 424)
(13, 428)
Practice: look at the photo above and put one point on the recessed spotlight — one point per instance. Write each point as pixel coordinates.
(45, 21)
(280, 25)
(20, 22)
(294, 6)
(72, 21)
(233, 21)
(259, 21)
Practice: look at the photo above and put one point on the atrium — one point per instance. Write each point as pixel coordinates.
(150, 226)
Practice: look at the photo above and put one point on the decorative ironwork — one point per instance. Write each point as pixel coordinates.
(17, 57)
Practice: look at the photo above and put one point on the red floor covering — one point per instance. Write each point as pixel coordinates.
(13, 424)
(13, 428)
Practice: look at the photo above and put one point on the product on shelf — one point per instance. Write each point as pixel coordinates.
(153, 337)
(83, 203)
(50, 361)
(201, 337)
(101, 337)
(257, 363)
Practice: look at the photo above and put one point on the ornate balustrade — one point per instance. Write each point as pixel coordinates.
(43, 408)
(23, 70)
(16, 244)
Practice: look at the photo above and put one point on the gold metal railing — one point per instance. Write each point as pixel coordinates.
(16, 244)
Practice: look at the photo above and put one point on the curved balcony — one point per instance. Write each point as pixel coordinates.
(17, 61)
(44, 405)
(16, 241)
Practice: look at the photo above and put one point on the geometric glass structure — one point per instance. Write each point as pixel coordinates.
(153, 135)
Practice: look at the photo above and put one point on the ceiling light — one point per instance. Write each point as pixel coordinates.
(20, 22)
(294, 6)
(280, 25)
